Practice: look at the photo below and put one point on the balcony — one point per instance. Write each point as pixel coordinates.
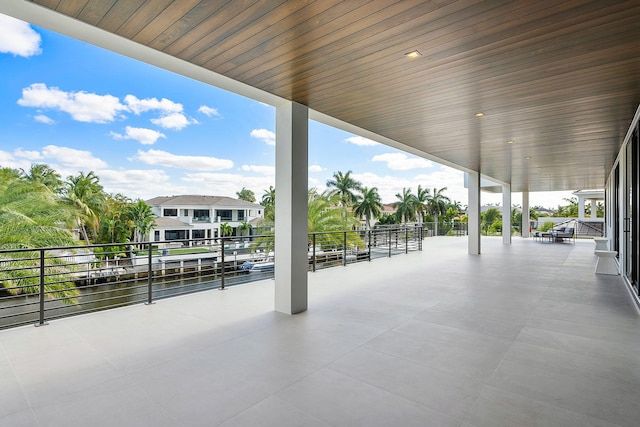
(522, 335)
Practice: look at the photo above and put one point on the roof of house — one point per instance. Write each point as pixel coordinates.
(163, 221)
(198, 200)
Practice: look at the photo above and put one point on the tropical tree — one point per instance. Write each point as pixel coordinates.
(570, 210)
(406, 205)
(388, 219)
(421, 200)
(86, 195)
(42, 173)
(437, 204)
(115, 223)
(246, 195)
(325, 216)
(226, 229)
(345, 187)
(244, 229)
(269, 203)
(31, 216)
(142, 218)
(490, 217)
(369, 205)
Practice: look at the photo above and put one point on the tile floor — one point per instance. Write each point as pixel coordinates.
(523, 335)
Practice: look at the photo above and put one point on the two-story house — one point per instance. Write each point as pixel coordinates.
(188, 217)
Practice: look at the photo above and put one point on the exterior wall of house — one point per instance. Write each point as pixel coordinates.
(622, 196)
(200, 221)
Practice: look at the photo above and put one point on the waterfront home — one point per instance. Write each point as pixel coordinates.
(187, 217)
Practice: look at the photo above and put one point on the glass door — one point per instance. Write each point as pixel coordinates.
(631, 218)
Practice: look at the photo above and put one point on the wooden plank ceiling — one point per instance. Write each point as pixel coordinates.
(558, 78)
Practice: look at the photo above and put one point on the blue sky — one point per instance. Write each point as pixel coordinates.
(147, 132)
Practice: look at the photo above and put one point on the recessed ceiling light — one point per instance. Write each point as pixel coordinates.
(413, 54)
(528, 157)
(510, 141)
(479, 114)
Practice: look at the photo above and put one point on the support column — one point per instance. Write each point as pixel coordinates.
(292, 123)
(526, 219)
(506, 214)
(580, 208)
(473, 213)
(594, 208)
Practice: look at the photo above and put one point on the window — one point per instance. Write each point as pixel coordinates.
(201, 214)
(185, 212)
(175, 234)
(240, 215)
(225, 214)
(169, 212)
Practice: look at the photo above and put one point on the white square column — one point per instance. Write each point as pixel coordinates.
(473, 213)
(292, 147)
(526, 219)
(506, 214)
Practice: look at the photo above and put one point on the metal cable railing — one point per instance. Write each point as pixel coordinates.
(39, 285)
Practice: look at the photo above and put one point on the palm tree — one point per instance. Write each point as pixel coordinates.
(437, 204)
(269, 203)
(422, 198)
(143, 219)
(42, 173)
(85, 193)
(246, 195)
(226, 229)
(244, 229)
(406, 205)
(31, 216)
(369, 205)
(346, 187)
(324, 216)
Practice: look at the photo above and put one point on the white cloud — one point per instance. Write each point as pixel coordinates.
(264, 170)
(143, 184)
(163, 158)
(174, 121)
(401, 162)
(362, 141)
(388, 186)
(27, 154)
(7, 160)
(209, 111)
(44, 119)
(165, 106)
(82, 106)
(18, 38)
(227, 184)
(72, 158)
(448, 177)
(315, 168)
(264, 135)
(142, 135)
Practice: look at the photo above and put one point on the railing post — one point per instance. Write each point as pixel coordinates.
(313, 251)
(406, 240)
(41, 321)
(369, 245)
(389, 242)
(344, 249)
(222, 266)
(420, 237)
(149, 274)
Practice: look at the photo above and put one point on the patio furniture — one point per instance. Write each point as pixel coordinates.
(563, 233)
(606, 262)
(602, 243)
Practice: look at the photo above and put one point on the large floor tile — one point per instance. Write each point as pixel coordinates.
(340, 400)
